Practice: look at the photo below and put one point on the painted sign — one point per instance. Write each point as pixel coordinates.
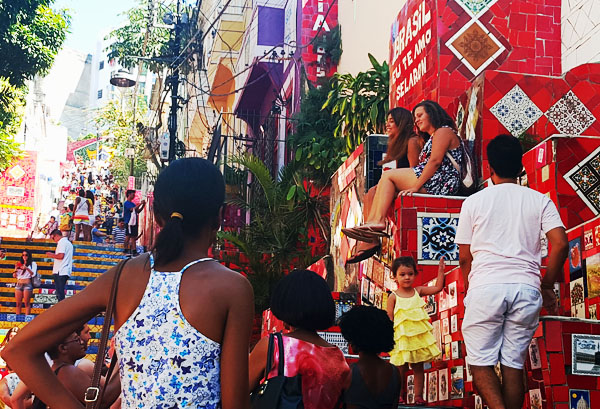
(413, 51)
(319, 17)
(86, 153)
(17, 196)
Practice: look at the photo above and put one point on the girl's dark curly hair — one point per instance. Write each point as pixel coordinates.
(368, 329)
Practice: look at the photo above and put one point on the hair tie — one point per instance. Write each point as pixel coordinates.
(177, 215)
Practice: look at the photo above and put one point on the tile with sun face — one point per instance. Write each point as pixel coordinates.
(475, 46)
(585, 180)
(435, 237)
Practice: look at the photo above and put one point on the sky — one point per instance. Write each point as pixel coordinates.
(90, 18)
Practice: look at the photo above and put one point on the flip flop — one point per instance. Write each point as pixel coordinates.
(364, 254)
(359, 235)
(419, 401)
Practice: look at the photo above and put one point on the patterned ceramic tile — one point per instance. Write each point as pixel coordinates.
(569, 115)
(585, 180)
(436, 232)
(475, 46)
(516, 111)
(475, 7)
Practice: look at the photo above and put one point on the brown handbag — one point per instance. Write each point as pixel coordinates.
(93, 394)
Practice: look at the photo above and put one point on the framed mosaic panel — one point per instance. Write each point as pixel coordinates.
(435, 238)
(585, 354)
(584, 178)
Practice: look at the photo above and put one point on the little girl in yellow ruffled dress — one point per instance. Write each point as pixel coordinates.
(415, 343)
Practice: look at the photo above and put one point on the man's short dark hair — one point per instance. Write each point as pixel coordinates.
(121, 220)
(56, 232)
(129, 191)
(303, 300)
(505, 156)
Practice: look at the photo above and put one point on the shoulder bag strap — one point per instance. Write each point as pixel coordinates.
(270, 355)
(452, 160)
(93, 393)
(280, 366)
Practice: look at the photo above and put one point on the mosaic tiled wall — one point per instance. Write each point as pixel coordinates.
(17, 195)
(468, 37)
(318, 16)
(580, 32)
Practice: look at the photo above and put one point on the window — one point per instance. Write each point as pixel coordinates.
(101, 66)
(99, 94)
(142, 87)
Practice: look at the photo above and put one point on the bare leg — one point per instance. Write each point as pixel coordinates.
(18, 299)
(513, 389)
(419, 378)
(390, 183)
(27, 301)
(488, 385)
(77, 231)
(87, 232)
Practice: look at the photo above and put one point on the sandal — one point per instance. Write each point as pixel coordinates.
(364, 234)
(401, 402)
(419, 401)
(373, 229)
(364, 254)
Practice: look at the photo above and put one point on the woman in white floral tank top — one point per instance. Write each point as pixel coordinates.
(182, 320)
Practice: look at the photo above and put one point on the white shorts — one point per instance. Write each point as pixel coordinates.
(500, 320)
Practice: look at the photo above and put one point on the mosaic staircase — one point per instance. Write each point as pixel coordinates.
(89, 261)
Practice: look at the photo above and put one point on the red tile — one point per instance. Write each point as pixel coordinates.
(557, 369)
(560, 393)
(553, 337)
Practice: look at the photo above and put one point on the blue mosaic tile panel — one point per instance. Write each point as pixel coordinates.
(436, 233)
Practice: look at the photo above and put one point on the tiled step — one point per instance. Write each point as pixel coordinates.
(89, 262)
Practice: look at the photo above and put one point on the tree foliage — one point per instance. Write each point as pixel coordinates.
(31, 34)
(115, 122)
(359, 104)
(315, 147)
(281, 212)
(130, 40)
(12, 102)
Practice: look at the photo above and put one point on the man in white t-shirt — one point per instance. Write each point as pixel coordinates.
(63, 262)
(499, 236)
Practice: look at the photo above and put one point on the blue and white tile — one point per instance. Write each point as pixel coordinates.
(436, 233)
(516, 111)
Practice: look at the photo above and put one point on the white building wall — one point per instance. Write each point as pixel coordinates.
(580, 26)
(366, 27)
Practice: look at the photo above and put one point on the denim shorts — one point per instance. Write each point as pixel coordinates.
(500, 320)
(24, 286)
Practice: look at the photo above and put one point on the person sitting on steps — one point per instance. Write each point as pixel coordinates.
(404, 148)
(434, 174)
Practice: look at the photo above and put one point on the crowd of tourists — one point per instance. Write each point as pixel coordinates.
(182, 321)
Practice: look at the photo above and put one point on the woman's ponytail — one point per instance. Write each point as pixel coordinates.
(170, 240)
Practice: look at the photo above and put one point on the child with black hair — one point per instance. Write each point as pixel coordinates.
(413, 334)
(373, 382)
(303, 301)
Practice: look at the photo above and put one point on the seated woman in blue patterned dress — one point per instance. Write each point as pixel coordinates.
(433, 175)
(182, 320)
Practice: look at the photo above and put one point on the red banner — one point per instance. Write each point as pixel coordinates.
(413, 50)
